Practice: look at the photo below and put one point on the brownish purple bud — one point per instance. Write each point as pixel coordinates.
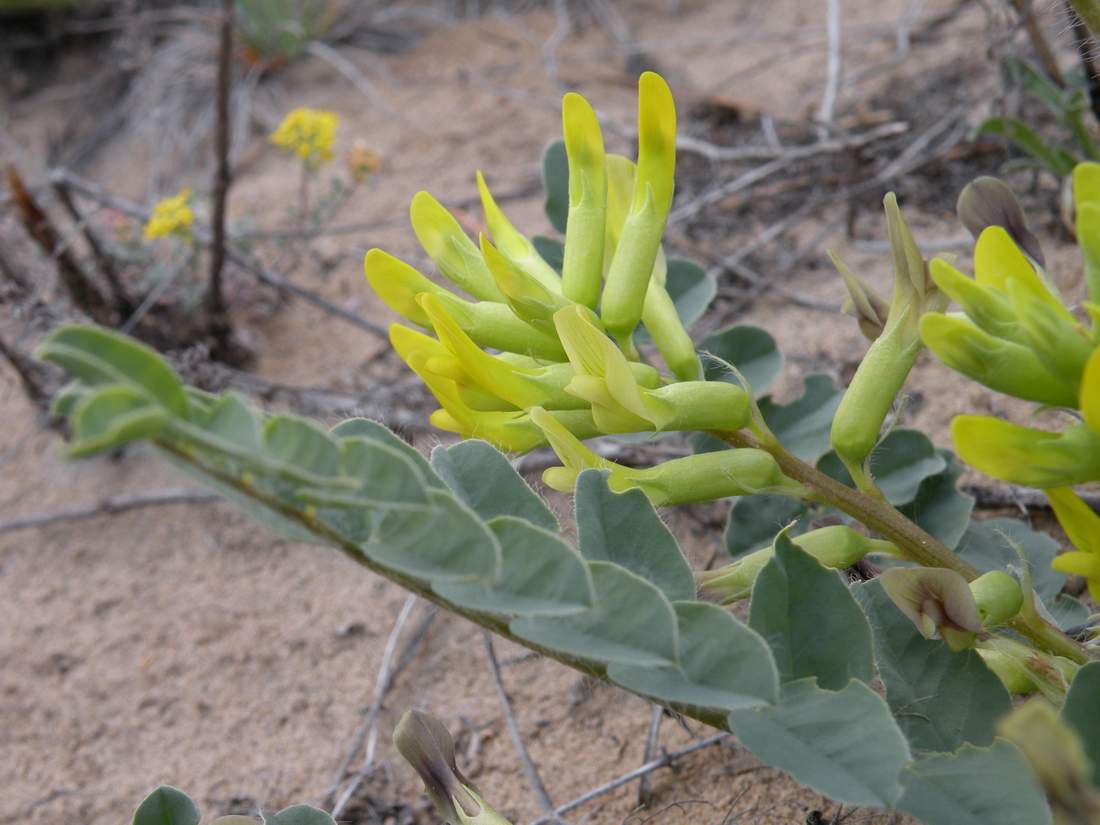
(987, 201)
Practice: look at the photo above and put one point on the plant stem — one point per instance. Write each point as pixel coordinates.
(215, 297)
(915, 544)
(1089, 12)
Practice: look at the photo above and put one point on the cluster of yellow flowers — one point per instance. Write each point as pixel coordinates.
(308, 133)
(172, 216)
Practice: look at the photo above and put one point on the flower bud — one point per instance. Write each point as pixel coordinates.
(427, 746)
(628, 276)
(1061, 344)
(513, 244)
(989, 308)
(528, 298)
(449, 247)
(1057, 756)
(1082, 526)
(836, 546)
(702, 477)
(937, 601)
(582, 267)
(998, 597)
(1022, 455)
(998, 364)
(869, 308)
(1086, 197)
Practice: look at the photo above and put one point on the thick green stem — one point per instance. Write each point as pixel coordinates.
(915, 544)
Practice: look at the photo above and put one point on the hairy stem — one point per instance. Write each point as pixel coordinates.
(915, 544)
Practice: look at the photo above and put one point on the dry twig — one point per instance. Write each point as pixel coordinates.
(109, 506)
(215, 296)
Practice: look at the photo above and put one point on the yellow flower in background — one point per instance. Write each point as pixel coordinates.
(308, 133)
(171, 216)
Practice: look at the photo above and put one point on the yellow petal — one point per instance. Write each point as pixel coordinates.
(998, 260)
(1080, 522)
(398, 284)
(449, 247)
(514, 244)
(1021, 455)
(1090, 392)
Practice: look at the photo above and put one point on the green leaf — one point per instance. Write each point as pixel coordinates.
(252, 508)
(899, 464)
(1057, 160)
(691, 288)
(625, 529)
(387, 478)
(753, 521)
(842, 744)
(810, 620)
(750, 349)
(1067, 611)
(111, 416)
(631, 623)
(989, 545)
(301, 444)
(445, 541)
(101, 356)
(1082, 712)
(231, 418)
(802, 426)
(974, 786)
(940, 699)
(485, 479)
(166, 806)
(297, 815)
(550, 250)
(540, 575)
(939, 507)
(555, 184)
(365, 428)
(723, 664)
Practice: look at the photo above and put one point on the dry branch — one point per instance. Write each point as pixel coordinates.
(109, 506)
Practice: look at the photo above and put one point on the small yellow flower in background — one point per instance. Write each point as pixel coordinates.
(361, 160)
(308, 133)
(171, 216)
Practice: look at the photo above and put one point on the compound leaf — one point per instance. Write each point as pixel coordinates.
(802, 426)
(1082, 712)
(751, 349)
(753, 521)
(899, 464)
(939, 507)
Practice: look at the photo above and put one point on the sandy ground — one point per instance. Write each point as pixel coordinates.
(186, 645)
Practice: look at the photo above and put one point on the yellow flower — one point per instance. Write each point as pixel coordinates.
(171, 216)
(308, 133)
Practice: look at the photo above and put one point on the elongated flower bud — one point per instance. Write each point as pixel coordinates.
(987, 201)
(514, 244)
(527, 297)
(835, 546)
(1001, 365)
(457, 257)
(629, 275)
(582, 268)
(427, 746)
(1022, 455)
(702, 477)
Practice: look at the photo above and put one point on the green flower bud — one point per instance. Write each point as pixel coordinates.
(998, 364)
(1056, 754)
(582, 267)
(513, 244)
(1012, 674)
(1061, 344)
(998, 597)
(450, 248)
(495, 325)
(629, 274)
(937, 601)
(667, 331)
(702, 477)
(426, 745)
(1086, 196)
(528, 298)
(869, 308)
(1022, 455)
(989, 308)
(835, 546)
